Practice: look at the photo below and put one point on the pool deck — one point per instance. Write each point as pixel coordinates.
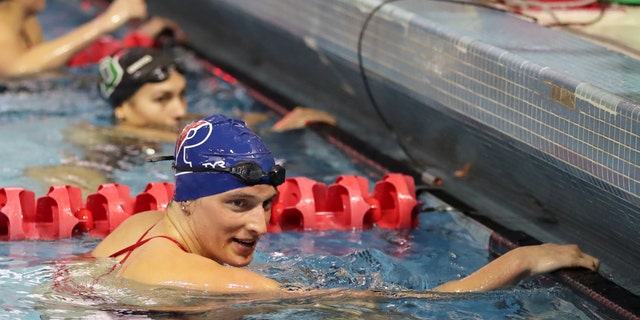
(536, 128)
(616, 29)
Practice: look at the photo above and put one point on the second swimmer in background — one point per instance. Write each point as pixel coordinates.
(146, 89)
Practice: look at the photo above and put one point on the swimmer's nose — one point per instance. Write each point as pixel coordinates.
(180, 108)
(256, 223)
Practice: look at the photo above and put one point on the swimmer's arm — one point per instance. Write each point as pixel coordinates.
(520, 263)
(34, 30)
(14, 61)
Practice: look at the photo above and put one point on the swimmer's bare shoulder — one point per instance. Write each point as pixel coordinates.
(127, 233)
(161, 262)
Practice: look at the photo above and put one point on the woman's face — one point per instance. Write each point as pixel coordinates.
(228, 226)
(160, 104)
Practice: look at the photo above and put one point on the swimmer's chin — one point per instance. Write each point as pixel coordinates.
(232, 264)
(238, 265)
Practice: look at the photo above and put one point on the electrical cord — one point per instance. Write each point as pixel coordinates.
(601, 5)
(365, 81)
(367, 88)
(548, 8)
(377, 8)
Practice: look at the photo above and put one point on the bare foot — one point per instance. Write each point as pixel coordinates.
(300, 117)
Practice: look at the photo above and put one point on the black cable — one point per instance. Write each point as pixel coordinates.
(464, 2)
(601, 4)
(363, 70)
(366, 82)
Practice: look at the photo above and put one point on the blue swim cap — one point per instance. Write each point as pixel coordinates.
(216, 142)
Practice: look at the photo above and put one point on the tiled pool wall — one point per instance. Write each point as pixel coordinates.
(544, 124)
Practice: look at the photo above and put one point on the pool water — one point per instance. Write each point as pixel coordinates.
(388, 261)
(37, 123)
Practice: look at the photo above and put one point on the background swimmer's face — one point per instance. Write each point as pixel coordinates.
(156, 104)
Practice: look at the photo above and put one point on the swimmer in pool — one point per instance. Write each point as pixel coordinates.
(146, 89)
(225, 183)
(25, 52)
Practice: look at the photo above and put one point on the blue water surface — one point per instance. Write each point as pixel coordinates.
(387, 261)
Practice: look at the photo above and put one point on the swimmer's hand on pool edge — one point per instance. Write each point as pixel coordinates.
(520, 263)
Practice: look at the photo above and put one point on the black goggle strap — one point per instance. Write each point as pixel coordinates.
(248, 172)
(161, 158)
(277, 175)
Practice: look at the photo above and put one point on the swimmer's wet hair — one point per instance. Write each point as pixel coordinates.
(122, 74)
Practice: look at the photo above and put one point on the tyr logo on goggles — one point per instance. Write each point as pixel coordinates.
(247, 171)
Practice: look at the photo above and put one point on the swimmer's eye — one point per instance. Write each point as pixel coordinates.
(238, 204)
(267, 204)
(163, 99)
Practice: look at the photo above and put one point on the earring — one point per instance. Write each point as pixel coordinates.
(184, 209)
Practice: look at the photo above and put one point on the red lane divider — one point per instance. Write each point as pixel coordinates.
(111, 205)
(15, 203)
(305, 204)
(156, 196)
(302, 204)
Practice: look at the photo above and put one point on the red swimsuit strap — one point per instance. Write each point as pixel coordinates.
(133, 246)
(140, 242)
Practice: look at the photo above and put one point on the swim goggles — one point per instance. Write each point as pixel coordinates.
(248, 172)
(159, 73)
